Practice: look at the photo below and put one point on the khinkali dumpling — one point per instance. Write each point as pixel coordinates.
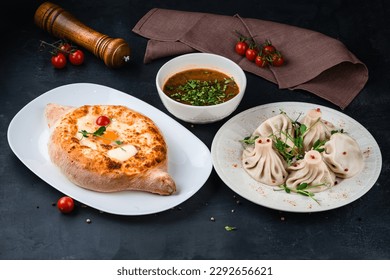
(279, 126)
(343, 155)
(263, 163)
(317, 128)
(311, 170)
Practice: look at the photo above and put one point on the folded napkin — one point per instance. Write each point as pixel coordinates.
(314, 62)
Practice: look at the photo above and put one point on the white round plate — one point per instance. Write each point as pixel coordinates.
(226, 152)
(189, 159)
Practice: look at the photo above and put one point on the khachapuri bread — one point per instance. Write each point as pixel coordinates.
(108, 148)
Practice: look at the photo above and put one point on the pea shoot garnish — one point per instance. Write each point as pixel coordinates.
(302, 189)
(249, 140)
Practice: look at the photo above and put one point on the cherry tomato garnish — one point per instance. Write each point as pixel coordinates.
(76, 57)
(241, 47)
(65, 204)
(58, 60)
(103, 121)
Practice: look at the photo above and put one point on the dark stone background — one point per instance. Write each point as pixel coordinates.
(31, 228)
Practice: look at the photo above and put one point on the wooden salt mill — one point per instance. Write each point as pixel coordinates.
(59, 23)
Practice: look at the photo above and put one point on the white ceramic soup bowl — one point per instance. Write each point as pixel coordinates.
(201, 114)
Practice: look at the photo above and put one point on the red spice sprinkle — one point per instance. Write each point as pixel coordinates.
(295, 164)
(313, 157)
(260, 141)
(273, 181)
(268, 140)
(318, 110)
(344, 153)
(346, 169)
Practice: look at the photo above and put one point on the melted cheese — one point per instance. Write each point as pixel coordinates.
(122, 153)
(86, 142)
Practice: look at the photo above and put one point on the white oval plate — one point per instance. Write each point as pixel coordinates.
(226, 151)
(189, 159)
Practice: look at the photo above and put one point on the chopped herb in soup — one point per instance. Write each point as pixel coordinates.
(201, 87)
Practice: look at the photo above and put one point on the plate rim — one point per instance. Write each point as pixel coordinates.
(206, 168)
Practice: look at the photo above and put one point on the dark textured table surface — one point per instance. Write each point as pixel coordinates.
(32, 228)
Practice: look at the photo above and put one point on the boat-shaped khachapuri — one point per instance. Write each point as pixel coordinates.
(108, 148)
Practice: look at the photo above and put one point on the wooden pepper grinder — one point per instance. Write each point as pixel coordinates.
(59, 23)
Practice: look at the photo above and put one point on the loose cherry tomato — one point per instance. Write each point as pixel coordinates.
(251, 54)
(65, 204)
(277, 59)
(103, 121)
(65, 48)
(241, 47)
(76, 57)
(261, 61)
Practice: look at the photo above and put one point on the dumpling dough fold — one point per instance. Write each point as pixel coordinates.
(279, 127)
(264, 164)
(343, 155)
(311, 170)
(317, 128)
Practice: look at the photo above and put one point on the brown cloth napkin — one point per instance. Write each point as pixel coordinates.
(314, 62)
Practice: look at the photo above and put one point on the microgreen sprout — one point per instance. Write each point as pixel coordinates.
(230, 228)
(302, 189)
(249, 140)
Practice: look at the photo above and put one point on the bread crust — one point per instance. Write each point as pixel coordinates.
(88, 160)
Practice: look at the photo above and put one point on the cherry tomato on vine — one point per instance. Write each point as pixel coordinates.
(251, 54)
(65, 204)
(65, 48)
(261, 61)
(58, 60)
(76, 57)
(277, 59)
(241, 47)
(103, 121)
(268, 48)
